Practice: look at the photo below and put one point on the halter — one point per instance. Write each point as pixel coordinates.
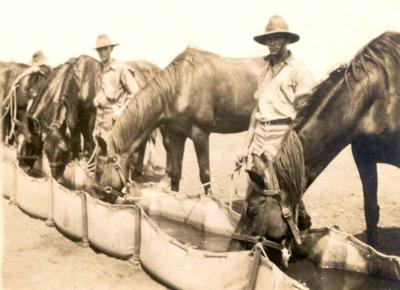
(56, 164)
(124, 179)
(282, 198)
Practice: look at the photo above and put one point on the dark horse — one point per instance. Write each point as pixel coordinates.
(19, 85)
(41, 115)
(196, 94)
(359, 105)
(72, 110)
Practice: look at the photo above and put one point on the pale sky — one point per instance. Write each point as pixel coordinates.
(157, 30)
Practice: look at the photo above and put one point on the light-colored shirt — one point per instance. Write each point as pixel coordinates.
(279, 86)
(117, 85)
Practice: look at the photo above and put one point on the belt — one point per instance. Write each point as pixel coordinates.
(285, 121)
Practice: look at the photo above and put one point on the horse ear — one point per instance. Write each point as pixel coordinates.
(257, 179)
(102, 144)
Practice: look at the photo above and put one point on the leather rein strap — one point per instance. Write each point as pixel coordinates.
(283, 201)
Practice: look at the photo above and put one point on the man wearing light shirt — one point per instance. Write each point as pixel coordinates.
(117, 87)
(284, 82)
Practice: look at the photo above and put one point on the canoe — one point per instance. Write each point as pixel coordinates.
(69, 212)
(34, 195)
(182, 266)
(131, 231)
(8, 171)
(331, 248)
(113, 229)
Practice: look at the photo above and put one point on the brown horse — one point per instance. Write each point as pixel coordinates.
(196, 94)
(40, 115)
(72, 108)
(358, 105)
(19, 85)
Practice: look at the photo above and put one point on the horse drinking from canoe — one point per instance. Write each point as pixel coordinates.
(198, 93)
(41, 114)
(71, 107)
(358, 105)
(19, 85)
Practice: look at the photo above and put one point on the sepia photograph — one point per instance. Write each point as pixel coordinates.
(172, 144)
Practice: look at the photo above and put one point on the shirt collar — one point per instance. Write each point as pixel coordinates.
(112, 66)
(288, 61)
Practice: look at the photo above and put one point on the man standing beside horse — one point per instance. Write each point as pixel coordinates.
(117, 87)
(285, 82)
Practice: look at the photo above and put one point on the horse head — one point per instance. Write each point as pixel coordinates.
(274, 195)
(57, 148)
(111, 170)
(262, 213)
(30, 144)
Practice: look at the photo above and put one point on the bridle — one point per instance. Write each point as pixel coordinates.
(283, 201)
(117, 166)
(291, 219)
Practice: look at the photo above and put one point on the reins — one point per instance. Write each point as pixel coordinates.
(10, 104)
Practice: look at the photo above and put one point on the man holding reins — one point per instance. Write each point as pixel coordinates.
(284, 82)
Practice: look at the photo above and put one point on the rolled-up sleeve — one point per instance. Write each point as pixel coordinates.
(129, 82)
(303, 80)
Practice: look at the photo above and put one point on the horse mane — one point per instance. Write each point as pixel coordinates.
(374, 55)
(47, 104)
(162, 87)
(289, 166)
(318, 93)
(289, 162)
(71, 87)
(69, 92)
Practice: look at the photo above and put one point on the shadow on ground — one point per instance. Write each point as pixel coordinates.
(388, 240)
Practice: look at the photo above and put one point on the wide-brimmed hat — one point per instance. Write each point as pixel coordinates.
(104, 40)
(38, 58)
(277, 25)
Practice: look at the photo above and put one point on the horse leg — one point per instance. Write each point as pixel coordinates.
(177, 148)
(138, 166)
(88, 141)
(201, 145)
(167, 146)
(75, 144)
(367, 169)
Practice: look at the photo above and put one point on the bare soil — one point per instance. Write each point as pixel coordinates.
(38, 257)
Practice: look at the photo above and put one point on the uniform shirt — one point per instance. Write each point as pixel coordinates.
(116, 86)
(280, 85)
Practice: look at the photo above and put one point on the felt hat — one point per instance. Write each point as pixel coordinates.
(277, 26)
(104, 40)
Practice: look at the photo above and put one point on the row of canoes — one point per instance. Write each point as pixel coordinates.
(128, 232)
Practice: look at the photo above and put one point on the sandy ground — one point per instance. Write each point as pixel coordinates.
(38, 257)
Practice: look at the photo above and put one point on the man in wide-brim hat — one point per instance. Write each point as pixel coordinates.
(283, 82)
(116, 87)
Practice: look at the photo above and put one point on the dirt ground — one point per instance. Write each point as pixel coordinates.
(38, 257)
